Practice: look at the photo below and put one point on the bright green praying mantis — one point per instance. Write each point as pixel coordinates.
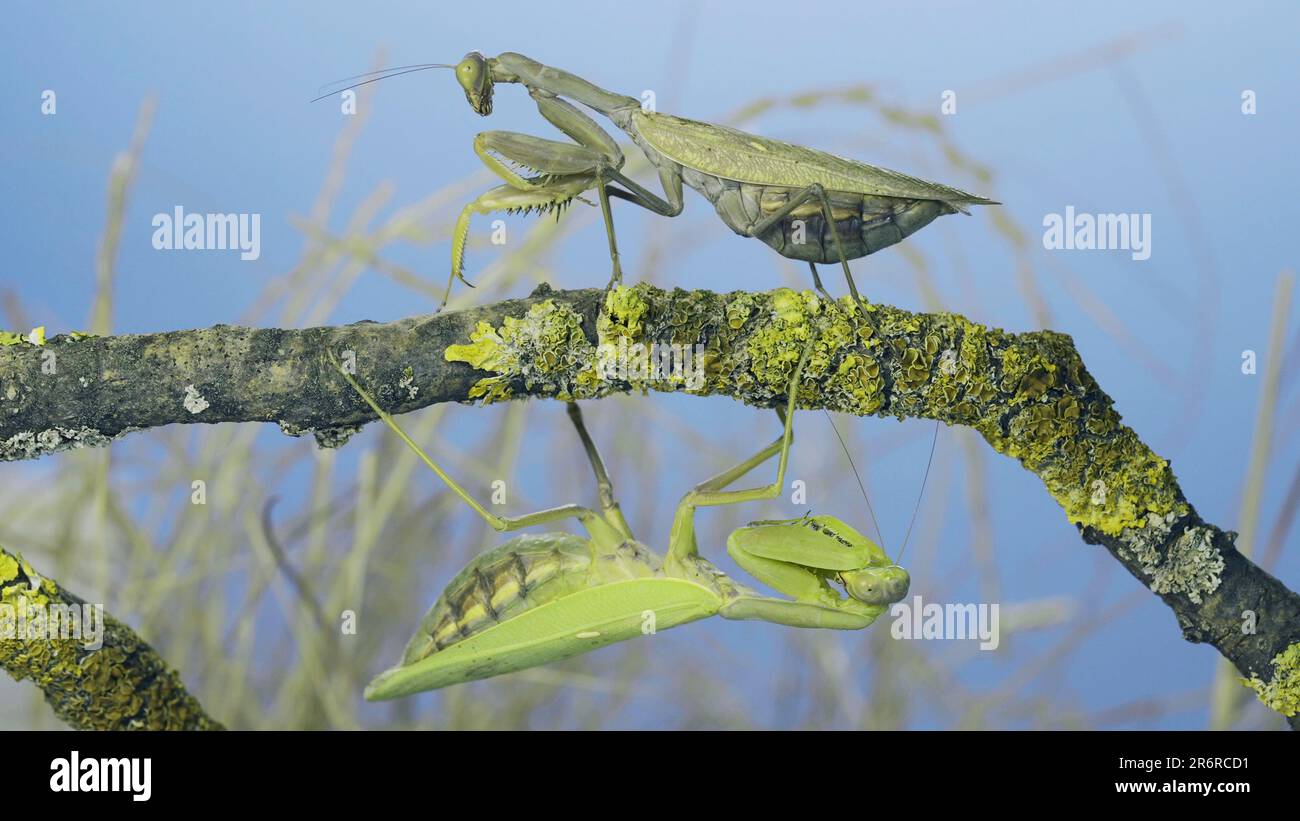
(542, 598)
(805, 204)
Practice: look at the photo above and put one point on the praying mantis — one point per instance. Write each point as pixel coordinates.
(805, 204)
(540, 598)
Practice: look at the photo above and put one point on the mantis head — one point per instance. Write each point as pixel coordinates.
(877, 585)
(791, 554)
(475, 76)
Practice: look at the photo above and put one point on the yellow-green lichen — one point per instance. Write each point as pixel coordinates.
(8, 568)
(1138, 483)
(960, 389)
(774, 349)
(619, 330)
(546, 350)
(625, 308)
(1026, 376)
(116, 682)
(856, 384)
(1028, 395)
(1282, 691)
(1073, 443)
(36, 336)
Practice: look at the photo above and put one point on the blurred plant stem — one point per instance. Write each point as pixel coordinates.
(1227, 695)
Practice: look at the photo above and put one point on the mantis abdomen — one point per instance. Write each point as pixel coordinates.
(522, 573)
(865, 223)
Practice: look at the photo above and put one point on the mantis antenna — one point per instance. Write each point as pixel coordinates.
(858, 476)
(924, 481)
(934, 440)
(384, 73)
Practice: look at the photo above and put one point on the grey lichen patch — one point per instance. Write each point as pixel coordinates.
(194, 401)
(330, 437)
(1191, 566)
(334, 437)
(30, 444)
(407, 383)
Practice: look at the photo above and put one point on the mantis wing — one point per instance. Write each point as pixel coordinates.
(735, 155)
(574, 624)
(823, 542)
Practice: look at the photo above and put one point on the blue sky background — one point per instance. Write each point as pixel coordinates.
(1159, 131)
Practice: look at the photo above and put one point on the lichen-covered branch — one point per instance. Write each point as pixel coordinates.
(1029, 395)
(95, 672)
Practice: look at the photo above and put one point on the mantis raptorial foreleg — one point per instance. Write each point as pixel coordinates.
(550, 157)
(600, 531)
(563, 179)
(804, 569)
(567, 170)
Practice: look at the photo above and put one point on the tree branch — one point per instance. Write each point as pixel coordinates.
(95, 671)
(1027, 394)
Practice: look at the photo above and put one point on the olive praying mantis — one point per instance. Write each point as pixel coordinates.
(805, 204)
(539, 598)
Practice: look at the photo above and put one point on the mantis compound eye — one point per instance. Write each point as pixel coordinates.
(877, 585)
(475, 77)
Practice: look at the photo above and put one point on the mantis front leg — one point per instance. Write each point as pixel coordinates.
(607, 166)
(566, 171)
(801, 558)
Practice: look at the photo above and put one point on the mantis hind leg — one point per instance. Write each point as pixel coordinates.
(817, 282)
(613, 513)
(594, 525)
(812, 193)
